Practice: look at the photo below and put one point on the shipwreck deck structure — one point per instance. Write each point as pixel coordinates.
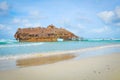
(41, 34)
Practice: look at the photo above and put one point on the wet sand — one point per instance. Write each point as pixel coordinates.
(105, 67)
(40, 60)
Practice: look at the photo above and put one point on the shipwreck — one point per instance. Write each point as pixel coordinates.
(41, 34)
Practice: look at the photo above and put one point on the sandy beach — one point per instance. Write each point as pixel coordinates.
(105, 67)
(59, 39)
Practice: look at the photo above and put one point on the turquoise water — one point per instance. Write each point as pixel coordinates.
(12, 48)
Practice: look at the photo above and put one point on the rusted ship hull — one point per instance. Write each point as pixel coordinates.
(39, 34)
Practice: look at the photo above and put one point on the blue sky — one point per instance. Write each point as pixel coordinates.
(85, 18)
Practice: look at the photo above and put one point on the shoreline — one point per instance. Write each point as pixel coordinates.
(57, 52)
(104, 67)
(11, 63)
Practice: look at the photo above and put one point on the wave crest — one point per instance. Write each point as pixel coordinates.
(20, 44)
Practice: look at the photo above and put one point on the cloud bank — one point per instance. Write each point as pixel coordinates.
(111, 17)
(4, 7)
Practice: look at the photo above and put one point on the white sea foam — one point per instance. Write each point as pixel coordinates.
(21, 44)
(79, 51)
(16, 57)
(7, 40)
(103, 39)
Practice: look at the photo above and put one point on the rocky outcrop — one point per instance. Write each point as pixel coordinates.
(40, 34)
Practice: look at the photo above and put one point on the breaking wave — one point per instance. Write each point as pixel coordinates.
(21, 44)
(15, 43)
(15, 57)
(7, 41)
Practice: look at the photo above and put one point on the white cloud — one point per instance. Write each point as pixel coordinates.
(16, 20)
(1, 26)
(25, 23)
(4, 7)
(98, 30)
(104, 29)
(106, 16)
(83, 19)
(32, 25)
(118, 24)
(117, 11)
(36, 14)
(4, 27)
(111, 17)
(80, 26)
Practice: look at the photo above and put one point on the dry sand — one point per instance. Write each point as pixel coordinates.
(106, 67)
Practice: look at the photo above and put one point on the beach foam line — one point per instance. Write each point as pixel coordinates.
(79, 51)
(15, 57)
(20, 44)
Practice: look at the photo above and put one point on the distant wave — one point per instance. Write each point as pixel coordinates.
(103, 39)
(20, 44)
(7, 41)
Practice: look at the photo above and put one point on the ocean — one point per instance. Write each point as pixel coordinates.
(12, 49)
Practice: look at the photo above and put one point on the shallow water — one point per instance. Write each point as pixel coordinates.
(11, 50)
(98, 52)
